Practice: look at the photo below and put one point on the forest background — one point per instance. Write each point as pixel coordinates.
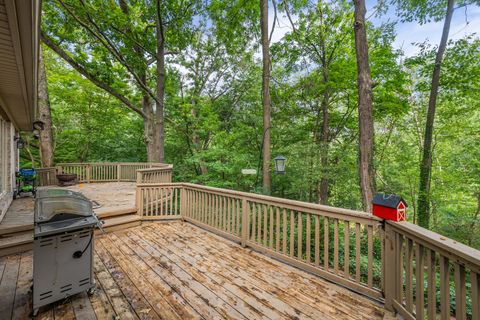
(181, 82)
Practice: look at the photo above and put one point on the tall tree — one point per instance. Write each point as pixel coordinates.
(44, 115)
(113, 46)
(365, 110)
(426, 164)
(265, 95)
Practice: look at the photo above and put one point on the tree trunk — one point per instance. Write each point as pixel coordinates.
(473, 225)
(159, 125)
(265, 95)
(147, 108)
(426, 164)
(44, 115)
(365, 114)
(324, 144)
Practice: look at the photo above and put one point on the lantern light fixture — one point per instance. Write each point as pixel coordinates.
(19, 142)
(280, 164)
(38, 125)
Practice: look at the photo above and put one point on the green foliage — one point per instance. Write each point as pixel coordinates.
(213, 106)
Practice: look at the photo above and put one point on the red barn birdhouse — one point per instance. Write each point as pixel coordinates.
(389, 207)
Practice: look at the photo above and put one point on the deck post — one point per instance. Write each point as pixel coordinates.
(139, 200)
(182, 203)
(139, 177)
(245, 222)
(88, 172)
(390, 267)
(119, 171)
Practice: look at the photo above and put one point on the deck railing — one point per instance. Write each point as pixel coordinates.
(103, 171)
(47, 176)
(155, 175)
(416, 272)
(429, 275)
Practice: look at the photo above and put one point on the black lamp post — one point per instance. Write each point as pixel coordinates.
(280, 164)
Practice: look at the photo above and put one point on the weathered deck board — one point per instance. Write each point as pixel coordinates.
(178, 271)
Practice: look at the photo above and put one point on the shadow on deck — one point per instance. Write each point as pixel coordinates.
(178, 271)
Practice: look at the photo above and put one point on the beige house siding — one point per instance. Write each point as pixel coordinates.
(8, 165)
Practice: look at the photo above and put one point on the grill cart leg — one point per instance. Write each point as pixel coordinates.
(92, 290)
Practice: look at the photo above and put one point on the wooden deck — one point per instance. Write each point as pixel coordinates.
(114, 197)
(178, 271)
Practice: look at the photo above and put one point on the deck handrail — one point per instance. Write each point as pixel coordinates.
(409, 258)
(316, 238)
(414, 259)
(88, 172)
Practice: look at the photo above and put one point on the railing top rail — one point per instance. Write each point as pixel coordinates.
(46, 169)
(447, 247)
(167, 167)
(156, 164)
(299, 205)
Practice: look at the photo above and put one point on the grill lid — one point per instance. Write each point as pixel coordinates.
(54, 205)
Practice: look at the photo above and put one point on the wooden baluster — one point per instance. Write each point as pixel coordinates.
(229, 215)
(237, 210)
(218, 216)
(277, 231)
(308, 240)
(200, 206)
(325, 243)
(335, 246)
(167, 195)
(444, 288)
(204, 196)
(265, 225)
(460, 293)
(208, 205)
(208, 208)
(163, 199)
(259, 224)
(409, 275)
(317, 241)
(299, 236)
(292, 233)
(284, 233)
(432, 286)
(381, 234)
(358, 252)
(400, 266)
(370, 256)
(141, 209)
(419, 284)
(224, 213)
(475, 281)
(172, 197)
(177, 199)
(271, 228)
(245, 221)
(193, 204)
(254, 223)
(147, 201)
(346, 256)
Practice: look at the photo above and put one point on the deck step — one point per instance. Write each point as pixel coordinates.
(14, 243)
(104, 213)
(23, 240)
(7, 231)
(121, 222)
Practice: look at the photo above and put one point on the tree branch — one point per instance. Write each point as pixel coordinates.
(100, 36)
(89, 75)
